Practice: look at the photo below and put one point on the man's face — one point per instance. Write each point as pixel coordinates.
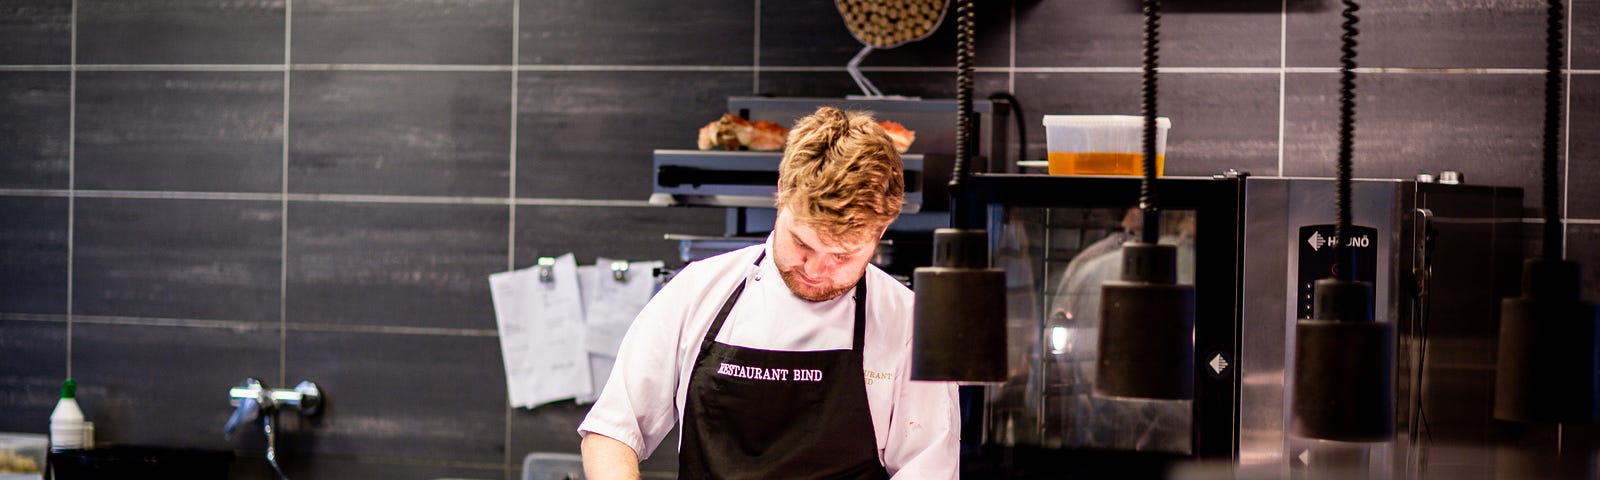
(814, 267)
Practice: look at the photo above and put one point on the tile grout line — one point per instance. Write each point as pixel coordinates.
(250, 325)
(283, 213)
(1566, 137)
(439, 68)
(1283, 74)
(368, 199)
(1011, 68)
(511, 213)
(1564, 221)
(755, 80)
(388, 199)
(325, 197)
(72, 170)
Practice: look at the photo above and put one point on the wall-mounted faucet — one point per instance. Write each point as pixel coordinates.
(253, 401)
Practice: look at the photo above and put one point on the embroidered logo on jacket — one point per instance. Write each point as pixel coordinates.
(773, 374)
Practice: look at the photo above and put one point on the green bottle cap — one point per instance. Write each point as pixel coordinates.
(69, 389)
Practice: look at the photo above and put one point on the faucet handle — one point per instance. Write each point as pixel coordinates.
(247, 412)
(252, 389)
(305, 397)
(250, 397)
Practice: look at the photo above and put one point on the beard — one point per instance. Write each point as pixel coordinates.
(809, 292)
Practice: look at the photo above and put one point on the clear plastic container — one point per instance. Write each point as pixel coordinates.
(1101, 144)
(22, 455)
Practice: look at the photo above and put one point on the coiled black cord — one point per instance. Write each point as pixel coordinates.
(1147, 192)
(1347, 127)
(966, 50)
(1553, 239)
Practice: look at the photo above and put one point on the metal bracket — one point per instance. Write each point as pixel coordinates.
(547, 267)
(619, 270)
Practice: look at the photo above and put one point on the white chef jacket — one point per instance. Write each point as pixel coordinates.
(916, 423)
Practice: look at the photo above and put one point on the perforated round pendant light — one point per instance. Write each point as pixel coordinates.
(891, 23)
(884, 24)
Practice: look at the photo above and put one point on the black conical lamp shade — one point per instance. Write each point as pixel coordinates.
(1146, 345)
(1549, 356)
(1343, 367)
(959, 329)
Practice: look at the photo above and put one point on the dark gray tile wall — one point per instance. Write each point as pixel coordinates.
(1414, 123)
(153, 191)
(472, 32)
(628, 233)
(1109, 33)
(36, 32)
(33, 360)
(812, 33)
(185, 404)
(34, 111)
(33, 277)
(399, 133)
(187, 131)
(418, 397)
(1585, 27)
(1219, 121)
(689, 32)
(180, 32)
(601, 126)
(839, 84)
(185, 259)
(394, 265)
(1582, 199)
(1425, 34)
(1583, 246)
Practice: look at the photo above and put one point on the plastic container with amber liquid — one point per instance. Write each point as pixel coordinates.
(1101, 144)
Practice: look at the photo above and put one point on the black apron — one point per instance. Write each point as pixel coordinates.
(753, 413)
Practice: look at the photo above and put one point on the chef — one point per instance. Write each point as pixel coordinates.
(789, 359)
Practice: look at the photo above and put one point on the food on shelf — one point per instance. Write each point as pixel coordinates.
(731, 132)
(899, 134)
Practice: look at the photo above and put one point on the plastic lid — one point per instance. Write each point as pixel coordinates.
(69, 389)
(1097, 120)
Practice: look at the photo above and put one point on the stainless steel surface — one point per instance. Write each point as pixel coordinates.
(248, 399)
(1275, 209)
(255, 401)
(1444, 256)
(1263, 357)
(696, 247)
(619, 270)
(305, 398)
(1056, 259)
(1451, 177)
(712, 185)
(547, 267)
(932, 119)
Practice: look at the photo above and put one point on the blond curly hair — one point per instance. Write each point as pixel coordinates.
(841, 175)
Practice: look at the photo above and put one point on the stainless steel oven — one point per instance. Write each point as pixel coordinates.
(1440, 258)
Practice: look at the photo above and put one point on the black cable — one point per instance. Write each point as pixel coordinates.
(1147, 194)
(1022, 129)
(1553, 239)
(966, 49)
(1347, 127)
